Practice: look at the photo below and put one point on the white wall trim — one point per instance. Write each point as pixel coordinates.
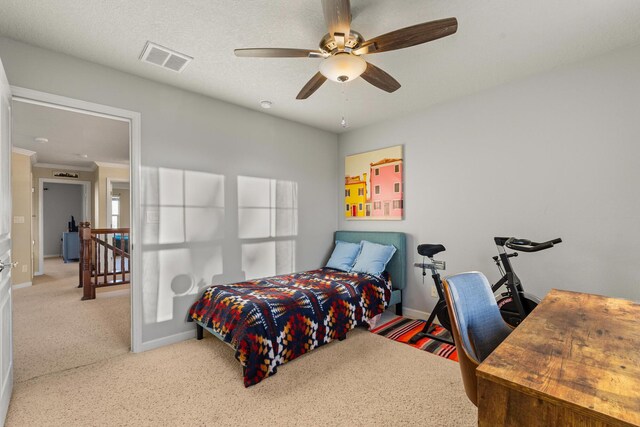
(86, 208)
(171, 339)
(111, 165)
(417, 314)
(135, 136)
(23, 151)
(64, 167)
(36, 97)
(22, 285)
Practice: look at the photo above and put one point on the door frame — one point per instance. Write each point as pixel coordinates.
(86, 208)
(6, 224)
(135, 142)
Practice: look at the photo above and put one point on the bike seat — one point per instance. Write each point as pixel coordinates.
(430, 250)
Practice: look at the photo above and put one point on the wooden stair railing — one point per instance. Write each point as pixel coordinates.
(104, 258)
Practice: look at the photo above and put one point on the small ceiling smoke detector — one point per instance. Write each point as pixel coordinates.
(164, 57)
(84, 156)
(266, 104)
(41, 140)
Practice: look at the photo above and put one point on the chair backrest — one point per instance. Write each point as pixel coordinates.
(476, 322)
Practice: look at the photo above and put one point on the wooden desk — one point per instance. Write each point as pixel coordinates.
(575, 361)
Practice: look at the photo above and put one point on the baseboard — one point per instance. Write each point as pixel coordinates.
(21, 285)
(417, 314)
(38, 273)
(171, 339)
(52, 256)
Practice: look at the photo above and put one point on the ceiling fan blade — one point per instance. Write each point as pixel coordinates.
(270, 52)
(337, 16)
(311, 86)
(380, 79)
(411, 36)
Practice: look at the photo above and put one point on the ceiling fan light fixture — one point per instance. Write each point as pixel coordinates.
(343, 67)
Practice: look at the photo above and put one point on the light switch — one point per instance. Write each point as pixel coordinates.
(18, 220)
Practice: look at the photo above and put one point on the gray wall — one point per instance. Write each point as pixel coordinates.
(555, 155)
(194, 149)
(60, 201)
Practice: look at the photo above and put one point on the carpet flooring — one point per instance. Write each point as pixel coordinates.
(402, 329)
(53, 330)
(366, 379)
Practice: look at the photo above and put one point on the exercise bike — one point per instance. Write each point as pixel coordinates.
(440, 310)
(515, 304)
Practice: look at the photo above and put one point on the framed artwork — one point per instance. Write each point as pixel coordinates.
(373, 185)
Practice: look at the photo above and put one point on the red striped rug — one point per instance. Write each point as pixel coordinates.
(402, 329)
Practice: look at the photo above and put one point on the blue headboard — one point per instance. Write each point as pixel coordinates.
(397, 267)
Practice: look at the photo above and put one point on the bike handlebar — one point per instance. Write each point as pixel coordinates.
(524, 245)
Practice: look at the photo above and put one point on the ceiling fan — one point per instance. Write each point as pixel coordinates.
(342, 48)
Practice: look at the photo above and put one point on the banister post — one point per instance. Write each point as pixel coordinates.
(88, 291)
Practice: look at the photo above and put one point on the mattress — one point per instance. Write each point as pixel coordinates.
(274, 320)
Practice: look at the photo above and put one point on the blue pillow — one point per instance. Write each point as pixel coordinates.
(373, 258)
(344, 255)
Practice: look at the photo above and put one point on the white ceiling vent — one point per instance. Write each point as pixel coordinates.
(165, 58)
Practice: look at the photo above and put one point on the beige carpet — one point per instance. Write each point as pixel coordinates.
(364, 380)
(53, 330)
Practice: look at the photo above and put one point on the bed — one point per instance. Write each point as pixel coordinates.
(271, 321)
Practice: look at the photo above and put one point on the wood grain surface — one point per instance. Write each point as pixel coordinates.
(574, 361)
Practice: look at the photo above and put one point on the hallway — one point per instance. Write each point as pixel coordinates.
(54, 331)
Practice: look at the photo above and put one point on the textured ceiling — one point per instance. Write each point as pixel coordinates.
(497, 41)
(70, 134)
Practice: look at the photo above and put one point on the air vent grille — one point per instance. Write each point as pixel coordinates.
(163, 57)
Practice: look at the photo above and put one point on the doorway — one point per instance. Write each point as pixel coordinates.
(132, 120)
(59, 200)
(73, 152)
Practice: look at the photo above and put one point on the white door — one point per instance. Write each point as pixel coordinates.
(6, 341)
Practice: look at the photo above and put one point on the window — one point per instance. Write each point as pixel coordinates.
(396, 168)
(398, 204)
(377, 171)
(377, 205)
(347, 207)
(347, 193)
(377, 189)
(360, 207)
(396, 187)
(115, 211)
(360, 191)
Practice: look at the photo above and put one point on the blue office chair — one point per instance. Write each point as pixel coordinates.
(476, 323)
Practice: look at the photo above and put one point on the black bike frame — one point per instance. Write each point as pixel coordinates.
(512, 281)
(433, 266)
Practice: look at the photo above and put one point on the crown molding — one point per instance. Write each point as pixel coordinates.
(111, 165)
(32, 154)
(23, 151)
(64, 167)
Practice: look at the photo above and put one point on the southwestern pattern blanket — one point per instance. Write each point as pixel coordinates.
(273, 320)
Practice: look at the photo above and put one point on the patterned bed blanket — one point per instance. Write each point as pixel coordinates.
(274, 320)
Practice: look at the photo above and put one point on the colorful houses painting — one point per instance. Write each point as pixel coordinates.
(373, 185)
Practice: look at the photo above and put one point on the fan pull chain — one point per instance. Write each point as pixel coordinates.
(344, 122)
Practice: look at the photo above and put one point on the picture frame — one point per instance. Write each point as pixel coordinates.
(374, 185)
